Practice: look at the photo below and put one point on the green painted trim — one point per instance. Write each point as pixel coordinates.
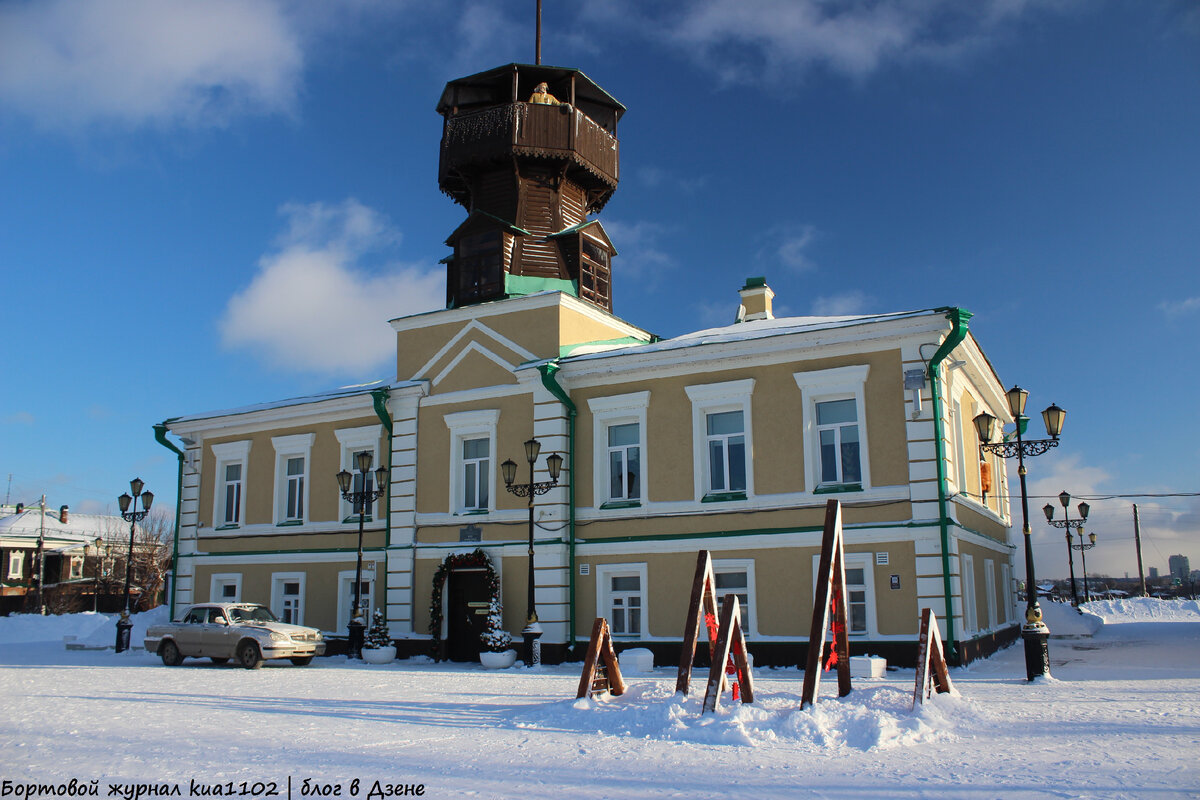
(723, 497)
(519, 285)
(353, 519)
(289, 524)
(478, 513)
(228, 528)
(160, 436)
(292, 552)
(958, 331)
(838, 488)
(567, 349)
(379, 398)
(548, 371)
(665, 537)
(621, 504)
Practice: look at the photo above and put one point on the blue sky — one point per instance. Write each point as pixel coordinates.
(186, 184)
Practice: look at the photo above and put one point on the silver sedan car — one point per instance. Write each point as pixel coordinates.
(247, 632)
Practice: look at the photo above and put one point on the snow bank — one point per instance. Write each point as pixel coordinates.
(92, 630)
(1063, 619)
(869, 719)
(1143, 609)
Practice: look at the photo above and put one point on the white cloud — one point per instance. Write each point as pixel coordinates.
(314, 307)
(788, 245)
(782, 39)
(840, 305)
(129, 63)
(640, 252)
(1177, 308)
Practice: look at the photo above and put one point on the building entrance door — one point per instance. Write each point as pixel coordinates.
(467, 602)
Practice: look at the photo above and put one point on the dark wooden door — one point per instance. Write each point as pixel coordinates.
(466, 613)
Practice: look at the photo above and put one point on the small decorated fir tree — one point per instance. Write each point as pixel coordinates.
(379, 635)
(495, 638)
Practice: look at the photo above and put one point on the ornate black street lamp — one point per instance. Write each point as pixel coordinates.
(1034, 631)
(360, 499)
(1068, 523)
(98, 546)
(124, 624)
(533, 631)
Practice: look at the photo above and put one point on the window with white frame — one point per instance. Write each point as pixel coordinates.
(833, 418)
(291, 477)
(476, 462)
(860, 592)
(346, 595)
(970, 617)
(989, 585)
(618, 441)
(958, 427)
(229, 502)
(736, 577)
(1008, 593)
(287, 596)
(16, 564)
(472, 447)
(621, 596)
(76, 568)
(354, 441)
(225, 588)
(721, 439)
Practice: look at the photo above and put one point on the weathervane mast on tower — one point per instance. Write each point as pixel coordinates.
(537, 50)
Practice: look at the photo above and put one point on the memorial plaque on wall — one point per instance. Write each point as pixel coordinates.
(470, 533)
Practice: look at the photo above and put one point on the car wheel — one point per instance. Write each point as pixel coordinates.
(302, 661)
(170, 654)
(249, 656)
(216, 660)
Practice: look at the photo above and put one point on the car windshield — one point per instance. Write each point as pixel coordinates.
(252, 614)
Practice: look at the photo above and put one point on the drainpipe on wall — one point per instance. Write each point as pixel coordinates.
(958, 331)
(549, 370)
(160, 435)
(380, 397)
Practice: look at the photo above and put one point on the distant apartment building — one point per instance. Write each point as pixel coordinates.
(1153, 573)
(1180, 568)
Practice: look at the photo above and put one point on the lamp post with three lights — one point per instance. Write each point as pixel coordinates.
(125, 501)
(1067, 523)
(360, 499)
(532, 631)
(1034, 631)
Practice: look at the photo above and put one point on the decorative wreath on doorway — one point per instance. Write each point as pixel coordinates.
(476, 558)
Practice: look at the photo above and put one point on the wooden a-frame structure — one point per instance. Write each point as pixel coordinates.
(932, 674)
(729, 637)
(601, 671)
(829, 600)
(702, 607)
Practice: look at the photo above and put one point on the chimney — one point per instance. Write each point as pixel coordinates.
(62, 514)
(756, 300)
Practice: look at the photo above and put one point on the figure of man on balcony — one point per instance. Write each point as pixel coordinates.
(541, 95)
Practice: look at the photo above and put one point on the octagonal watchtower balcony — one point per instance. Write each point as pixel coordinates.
(488, 121)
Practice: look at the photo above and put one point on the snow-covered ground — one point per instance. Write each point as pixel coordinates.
(1120, 718)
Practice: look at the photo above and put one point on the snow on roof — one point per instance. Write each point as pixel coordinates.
(333, 394)
(745, 331)
(79, 529)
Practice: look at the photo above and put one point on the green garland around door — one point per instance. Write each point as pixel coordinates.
(476, 558)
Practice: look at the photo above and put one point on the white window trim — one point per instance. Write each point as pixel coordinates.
(1008, 594)
(741, 565)
(854, 561)
(604, 575)
(219, 578)
(465, 425)
(290, 447)
(75, 568)
(620, 409)
(818, 386)
(225, 455)
(278, 579)
(16, 564)
(345, 605)
(969, 593)
(714, 398)
(353, 440)
(989, 586)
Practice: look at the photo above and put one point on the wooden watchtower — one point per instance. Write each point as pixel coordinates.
(528, 168)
